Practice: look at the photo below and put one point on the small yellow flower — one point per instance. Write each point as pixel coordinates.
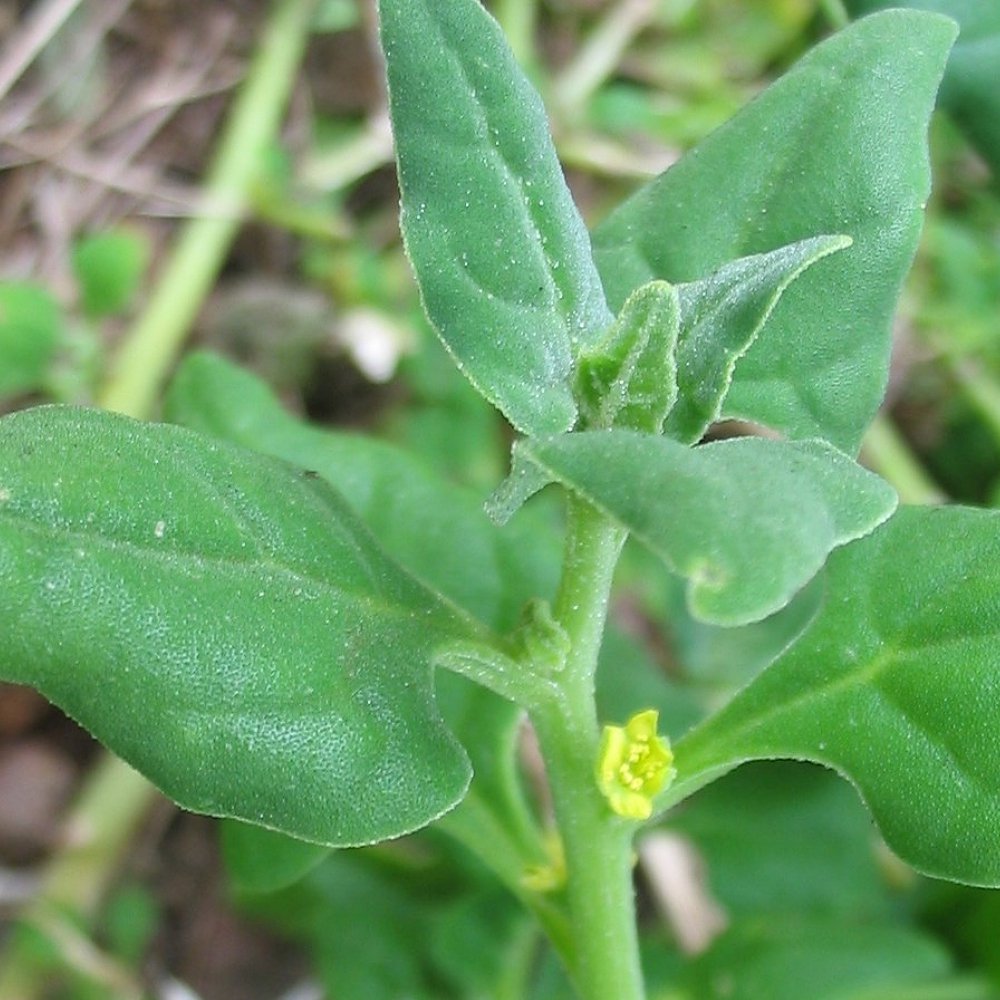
(633, 765)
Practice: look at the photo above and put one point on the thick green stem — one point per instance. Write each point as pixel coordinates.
(597, 844)
(151, 347)
(474, 824)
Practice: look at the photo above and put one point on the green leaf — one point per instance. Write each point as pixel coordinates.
(224, 623)
(30, 325)
(895, 686)
(718, 661)
(131, 918)
(629, 379)
(969, 92)
(410, 920)
(835, 146)
(748, 521)
(368, 930)
(721, 316)
(108, 269)
(478, 941)
(524, 480)
(500, 253)
(437, 531)
(786, 838)
(819, 959)
(261, 860)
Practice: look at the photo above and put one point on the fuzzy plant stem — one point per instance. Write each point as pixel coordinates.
(151, 347)
(597, 844)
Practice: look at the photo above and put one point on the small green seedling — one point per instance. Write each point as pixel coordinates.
(344, 654)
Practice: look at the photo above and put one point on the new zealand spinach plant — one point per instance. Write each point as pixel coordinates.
(309, 633)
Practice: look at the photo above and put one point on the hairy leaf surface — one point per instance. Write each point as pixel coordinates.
(501, 254)
(748, 521)
(838, 145)
(969, 93)
(629, 379)
(788, 959)
(225, 623)
(436, 530)
(721, 316)
(895, 685)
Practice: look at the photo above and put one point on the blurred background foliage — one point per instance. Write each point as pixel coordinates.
(770, 883)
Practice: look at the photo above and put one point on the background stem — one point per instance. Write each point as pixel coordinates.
(600, 55)
(151, 347)
(885, 451)
(518, 18)
(836, 13)
(100, 827)
(979, 388)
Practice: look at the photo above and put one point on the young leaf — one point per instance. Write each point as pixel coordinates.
(261, 860)
(629, 379)
(748, 521)
(224, 623)
(500, 253)
(895, 686)
(835, 146)
(524, 480)
(721, 316)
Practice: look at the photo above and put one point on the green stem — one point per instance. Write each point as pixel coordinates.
(357, 156)
(885, 451)
(152, 345)
(597, 844)
(519, 965)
